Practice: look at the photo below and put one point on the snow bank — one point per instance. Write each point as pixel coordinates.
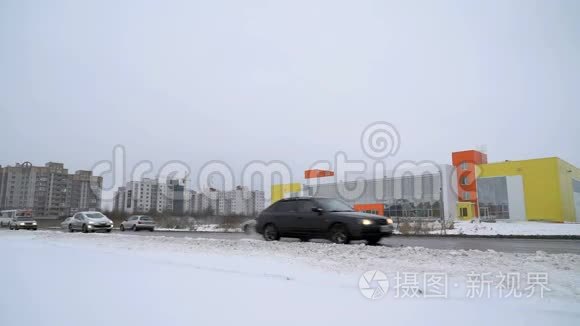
(514, 228)
(204, 228)
(118, 279)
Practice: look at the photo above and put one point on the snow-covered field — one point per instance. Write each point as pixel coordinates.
(515, 228)
(54, 278)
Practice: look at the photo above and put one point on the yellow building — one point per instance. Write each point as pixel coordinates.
(545, 189)
(280, 191)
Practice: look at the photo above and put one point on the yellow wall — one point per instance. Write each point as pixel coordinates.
(542, 189)
(567, 171)
(470, 210)
(279, 190)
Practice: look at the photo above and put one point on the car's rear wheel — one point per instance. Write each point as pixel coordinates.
(271, 233)
(85, 228)
(151, 229)
(70, 228)
(122, 228)
(339, 234)
(304, 239)
(134, 228)
(373, 241)
(247, 229)
(10, 227)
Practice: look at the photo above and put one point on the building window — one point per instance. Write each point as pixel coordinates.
(464, 180)
(463, 211)
(467, 195)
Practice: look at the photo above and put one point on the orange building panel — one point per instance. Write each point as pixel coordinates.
(311, 174)
(465, 163)
(378, 209)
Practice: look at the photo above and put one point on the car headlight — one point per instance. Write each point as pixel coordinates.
(33, 223)
(21, 223)
(366, 222)
(389, 221)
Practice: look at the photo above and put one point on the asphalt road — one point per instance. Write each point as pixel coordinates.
(497, 244)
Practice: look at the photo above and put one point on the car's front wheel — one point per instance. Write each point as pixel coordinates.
(85, 228)
(339, 234)
(271, 233)
(122, 228)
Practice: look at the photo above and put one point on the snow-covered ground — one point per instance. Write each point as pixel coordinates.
(204, 228)
(514, 228)
(54, 278)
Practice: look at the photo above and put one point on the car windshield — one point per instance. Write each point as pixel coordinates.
(94, 215)
(24, 218)
(334, 205)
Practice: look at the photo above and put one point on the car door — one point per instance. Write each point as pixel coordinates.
(308, 221)
(129, 222)
(285, 217)
(133, 221)
(78, 221)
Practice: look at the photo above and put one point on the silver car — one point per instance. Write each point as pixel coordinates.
(22, 222)
(90, 222)
(138, 222)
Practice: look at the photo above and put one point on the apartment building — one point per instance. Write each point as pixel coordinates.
(49, 190)
(148, 195)
(239, 201)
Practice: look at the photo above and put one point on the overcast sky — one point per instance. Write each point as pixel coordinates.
(294, 81)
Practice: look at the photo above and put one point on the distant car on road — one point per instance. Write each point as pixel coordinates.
(138, 222)
(6, 216)
(249, 226)
(90, 222)
(23, 222)
(311, 217)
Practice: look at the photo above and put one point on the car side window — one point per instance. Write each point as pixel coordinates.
(305, 206)
(287, 206)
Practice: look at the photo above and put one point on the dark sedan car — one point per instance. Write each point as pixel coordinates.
(307, 218)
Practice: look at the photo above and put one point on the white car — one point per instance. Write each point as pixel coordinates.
(90, 222)
(6, 216)
(23, 222)
(138, 222)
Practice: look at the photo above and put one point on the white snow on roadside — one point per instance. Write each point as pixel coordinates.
(204, 228)
(120, 279)
(514, 228)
